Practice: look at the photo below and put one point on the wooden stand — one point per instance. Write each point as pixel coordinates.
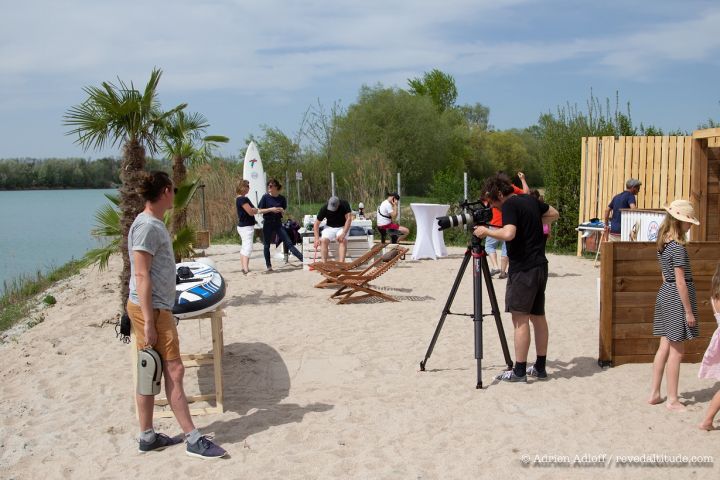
(196, 360)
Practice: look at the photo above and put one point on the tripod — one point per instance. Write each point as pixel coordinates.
(476, 251)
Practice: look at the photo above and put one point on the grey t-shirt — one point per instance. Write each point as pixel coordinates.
(148, 234)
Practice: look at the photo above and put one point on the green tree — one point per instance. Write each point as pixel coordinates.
(183, 140)
(439, 86)
(119, 114)
(560, 150)
(406, 130)
(476, 116)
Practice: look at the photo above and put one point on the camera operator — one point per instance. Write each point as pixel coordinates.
(523, 219)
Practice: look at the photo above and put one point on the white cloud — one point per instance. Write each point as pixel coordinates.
(275, 47)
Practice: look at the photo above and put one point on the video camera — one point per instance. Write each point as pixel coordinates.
(477, 214)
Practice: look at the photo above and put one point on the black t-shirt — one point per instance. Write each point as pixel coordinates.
(335, 219)
(244, 219)
(527, 249)
(268, 201)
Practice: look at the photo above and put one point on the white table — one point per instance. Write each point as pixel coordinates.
(429, 241)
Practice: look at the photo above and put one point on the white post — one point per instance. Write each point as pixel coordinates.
(465, 186)
(398, 192)
(287, 185)
(332, 184)
(465, 192)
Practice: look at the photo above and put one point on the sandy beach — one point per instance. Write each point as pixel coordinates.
(319, 390)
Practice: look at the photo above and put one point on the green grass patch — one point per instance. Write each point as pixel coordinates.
(15, 302)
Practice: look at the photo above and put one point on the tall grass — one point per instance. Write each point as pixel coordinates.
(15, 302)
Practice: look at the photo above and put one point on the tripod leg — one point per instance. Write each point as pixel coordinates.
(478, 270)
(446, 310)
(496, 311)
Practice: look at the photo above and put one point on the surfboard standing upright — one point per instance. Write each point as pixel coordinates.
(253, 172)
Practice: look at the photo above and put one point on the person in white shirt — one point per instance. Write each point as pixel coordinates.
(387, 213)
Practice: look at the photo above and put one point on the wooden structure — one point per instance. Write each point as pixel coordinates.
(669, 167)
(629, 280)
(359, 282)
(197, 360)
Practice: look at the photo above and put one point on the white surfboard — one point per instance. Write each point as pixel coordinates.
(254, 173)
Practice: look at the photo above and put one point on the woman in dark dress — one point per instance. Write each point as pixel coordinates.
(272, 221)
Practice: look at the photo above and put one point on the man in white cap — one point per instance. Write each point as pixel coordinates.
(624, 199)
(338, 216)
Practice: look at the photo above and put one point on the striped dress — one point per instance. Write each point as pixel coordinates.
(669, 319)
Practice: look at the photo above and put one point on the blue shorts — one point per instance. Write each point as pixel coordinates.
(492, 243)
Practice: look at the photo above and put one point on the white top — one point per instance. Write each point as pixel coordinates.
(386, 209)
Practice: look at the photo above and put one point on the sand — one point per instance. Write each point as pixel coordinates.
(319, 390)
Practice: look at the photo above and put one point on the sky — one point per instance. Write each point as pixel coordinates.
(244, 64)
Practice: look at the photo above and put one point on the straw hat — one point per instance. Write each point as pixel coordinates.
(683, 211)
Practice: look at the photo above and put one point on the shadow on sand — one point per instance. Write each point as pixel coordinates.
(256, 381)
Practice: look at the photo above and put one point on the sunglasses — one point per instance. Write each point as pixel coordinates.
(175, 190)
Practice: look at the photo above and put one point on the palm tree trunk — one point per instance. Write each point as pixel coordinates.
(131, 204)
(180, 214)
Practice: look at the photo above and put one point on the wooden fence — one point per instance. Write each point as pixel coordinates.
(629, 281)
(662, 164)
(669, 167)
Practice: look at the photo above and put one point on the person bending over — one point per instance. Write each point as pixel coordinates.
(523, 217)
(337, 227)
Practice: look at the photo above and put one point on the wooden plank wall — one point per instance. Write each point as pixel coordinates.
(661, 163)
(630, 279)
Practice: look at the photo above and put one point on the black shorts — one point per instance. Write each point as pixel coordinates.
(525, 292)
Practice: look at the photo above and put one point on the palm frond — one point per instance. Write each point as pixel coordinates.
(101, 256)
(183, 242)
(107, 224)
(185, 194)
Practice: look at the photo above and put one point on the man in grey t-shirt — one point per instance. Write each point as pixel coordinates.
(148, 234)
(149, 306)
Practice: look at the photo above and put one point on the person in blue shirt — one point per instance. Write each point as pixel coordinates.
(274, 205)
(625, 199)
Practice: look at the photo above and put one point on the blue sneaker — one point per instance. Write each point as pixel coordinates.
(534, 372)
(205, 449)
(161, 442)
(509, 376)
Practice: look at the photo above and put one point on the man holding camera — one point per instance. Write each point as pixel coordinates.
(523, 218)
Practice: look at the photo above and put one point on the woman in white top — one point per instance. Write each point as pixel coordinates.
(387, 213)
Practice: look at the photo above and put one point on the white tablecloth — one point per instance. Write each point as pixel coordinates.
(429, 242)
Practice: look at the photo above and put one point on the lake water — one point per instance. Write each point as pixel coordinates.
(43, 229)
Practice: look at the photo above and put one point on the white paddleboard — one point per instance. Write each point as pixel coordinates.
(254, 173)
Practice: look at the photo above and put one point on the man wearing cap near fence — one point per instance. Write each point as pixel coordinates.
(339, 217)
(625, 199)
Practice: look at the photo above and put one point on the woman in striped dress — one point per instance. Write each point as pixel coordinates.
(675, 319)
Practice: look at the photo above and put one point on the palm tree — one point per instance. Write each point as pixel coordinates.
(107, 228)
(182, 140)
(118, 114)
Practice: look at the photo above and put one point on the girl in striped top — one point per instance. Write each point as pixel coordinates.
(676, 304)
(710, 367)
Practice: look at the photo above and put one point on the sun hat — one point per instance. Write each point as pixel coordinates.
(333, 204)
(683, 211)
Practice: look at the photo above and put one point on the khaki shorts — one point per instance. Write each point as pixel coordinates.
(614, 237)
(168, 341)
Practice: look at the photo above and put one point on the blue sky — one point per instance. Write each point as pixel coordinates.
(243, 64)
